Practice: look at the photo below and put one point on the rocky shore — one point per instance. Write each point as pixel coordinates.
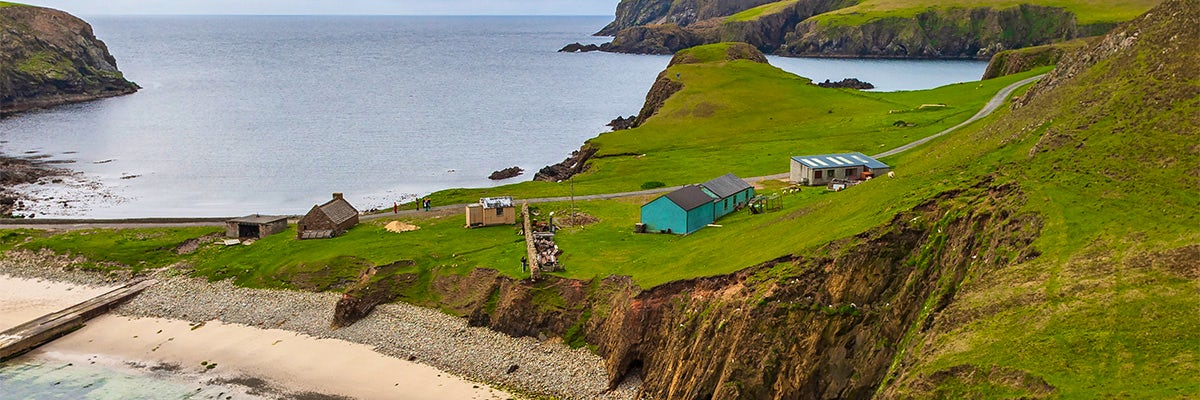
(399, 330)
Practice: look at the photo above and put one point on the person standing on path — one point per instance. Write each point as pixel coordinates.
(427, 204)
(395, 208)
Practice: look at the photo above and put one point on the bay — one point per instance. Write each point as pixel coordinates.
(271, 114)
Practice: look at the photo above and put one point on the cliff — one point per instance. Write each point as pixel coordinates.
(631, 13)
(1039, 272)
(847, 28)
(48, 57)
(975, 33)
(1010, 62)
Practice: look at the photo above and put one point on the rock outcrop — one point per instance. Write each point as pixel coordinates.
(564, 170)
(661, 27)
(49, 57)
(848, 83)
(1010, 62)
(510, 172)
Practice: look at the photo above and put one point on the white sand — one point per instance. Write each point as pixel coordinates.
(23, 300)
(295, 363)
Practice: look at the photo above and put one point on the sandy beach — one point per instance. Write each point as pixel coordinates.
(250, 361)
(279, 343)
(268, 362)
(23, 299)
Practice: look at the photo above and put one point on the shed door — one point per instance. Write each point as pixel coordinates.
(247, 230)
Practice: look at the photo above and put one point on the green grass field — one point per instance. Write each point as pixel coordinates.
(717, 118)
(1086, 11)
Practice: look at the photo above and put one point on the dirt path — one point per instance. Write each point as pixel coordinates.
(69, 224)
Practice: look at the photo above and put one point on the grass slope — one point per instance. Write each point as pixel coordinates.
(718, 118)
(1109, 159)
(756, 12)
(1086, 11)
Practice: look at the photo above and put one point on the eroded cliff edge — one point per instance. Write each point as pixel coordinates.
(810, 28)
(49, 57)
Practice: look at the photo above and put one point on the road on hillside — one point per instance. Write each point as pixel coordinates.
(70, 224)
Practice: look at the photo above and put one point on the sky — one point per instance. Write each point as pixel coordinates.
(332, 7)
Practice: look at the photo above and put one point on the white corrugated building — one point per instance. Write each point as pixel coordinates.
(823, 168)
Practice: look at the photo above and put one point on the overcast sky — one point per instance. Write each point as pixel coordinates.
(323, 7)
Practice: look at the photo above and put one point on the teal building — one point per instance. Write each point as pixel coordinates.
(683, 211)
(692, 207)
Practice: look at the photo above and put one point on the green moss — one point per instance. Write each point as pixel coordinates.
(47, 65)
(575, 336)
(121, 248)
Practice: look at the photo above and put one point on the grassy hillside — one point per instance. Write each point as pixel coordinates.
(1086, 11)
(718, 118)
(1109, 159)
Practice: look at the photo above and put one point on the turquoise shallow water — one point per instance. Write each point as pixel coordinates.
(35, 378)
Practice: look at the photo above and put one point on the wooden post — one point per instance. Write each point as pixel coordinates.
(535, 270)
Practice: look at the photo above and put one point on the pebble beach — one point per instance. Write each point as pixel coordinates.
(399, 330)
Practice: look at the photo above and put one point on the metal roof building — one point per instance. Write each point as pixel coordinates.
(823, 168)
(732, 193)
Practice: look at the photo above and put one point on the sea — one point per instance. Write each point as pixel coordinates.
(272, 114)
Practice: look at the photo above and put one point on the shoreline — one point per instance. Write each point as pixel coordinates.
(398, 332)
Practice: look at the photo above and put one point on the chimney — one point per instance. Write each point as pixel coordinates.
(337, 195)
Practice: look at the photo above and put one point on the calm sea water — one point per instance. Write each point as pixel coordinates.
(264, 114)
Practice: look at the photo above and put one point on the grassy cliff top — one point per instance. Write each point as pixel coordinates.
(765, 9)
(1086, 11)
(7, 4)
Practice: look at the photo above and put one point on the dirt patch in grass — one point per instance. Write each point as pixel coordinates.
(1183, 261)
(574, 220)
(961, 379)
(191, 245)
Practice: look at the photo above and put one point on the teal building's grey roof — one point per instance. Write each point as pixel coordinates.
(726, 185)
(689, 197)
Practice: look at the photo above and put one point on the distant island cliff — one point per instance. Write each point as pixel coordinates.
(850, 28)
(49, 57)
